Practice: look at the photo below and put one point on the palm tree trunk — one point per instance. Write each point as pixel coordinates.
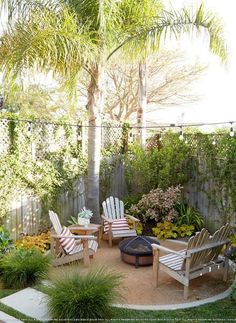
(142, 108)
(95, 107)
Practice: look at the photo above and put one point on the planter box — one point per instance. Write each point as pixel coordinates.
(83, 221)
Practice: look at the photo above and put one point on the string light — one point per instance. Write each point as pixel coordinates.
(231, 130)
(30, 126)
(130, 136)
(214, 141)
(186, 141)
(79, 137)
(181, 136)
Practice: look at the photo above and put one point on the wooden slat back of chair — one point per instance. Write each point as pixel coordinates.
(220, 235)
(204, 238)
(201, 238)
(113, 208)
(55, 222)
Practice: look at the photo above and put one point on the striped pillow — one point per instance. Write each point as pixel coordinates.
(68, 244)
(117, 225)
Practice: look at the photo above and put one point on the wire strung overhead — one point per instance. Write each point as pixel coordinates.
(120, 125)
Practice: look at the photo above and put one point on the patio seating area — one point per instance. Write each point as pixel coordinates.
(137, 285)
(117, 160)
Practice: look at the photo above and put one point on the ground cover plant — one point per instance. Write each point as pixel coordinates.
(168, 230)
(23, 267)
(40, 242)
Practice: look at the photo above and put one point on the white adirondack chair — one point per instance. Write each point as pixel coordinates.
(113, 211)
(201, 256)
(85, 245)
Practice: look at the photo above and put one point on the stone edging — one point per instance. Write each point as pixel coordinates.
(176, 306)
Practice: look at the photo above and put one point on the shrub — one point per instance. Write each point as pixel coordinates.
(157, 205)
(5, 240)
(167, 230)
(231, 250)
(40, 242)
(189, 215)
(139, 228)
(130, 200)
(21, 267)
(89, 297)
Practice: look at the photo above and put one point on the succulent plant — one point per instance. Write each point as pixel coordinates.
(85, 213)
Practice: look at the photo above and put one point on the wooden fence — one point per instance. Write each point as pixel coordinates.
(27, 215)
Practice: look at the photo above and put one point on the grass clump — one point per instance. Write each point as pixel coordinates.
(22, 268)
(84, 297)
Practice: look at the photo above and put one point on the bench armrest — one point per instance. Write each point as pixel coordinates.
(167, 250)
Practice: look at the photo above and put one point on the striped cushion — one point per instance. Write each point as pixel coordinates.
(117, 225)
(68, 244)
(92, 244)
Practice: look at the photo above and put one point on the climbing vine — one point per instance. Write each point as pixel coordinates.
(207, 161)
(44, 173)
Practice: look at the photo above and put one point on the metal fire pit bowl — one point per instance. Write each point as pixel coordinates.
(137, 251)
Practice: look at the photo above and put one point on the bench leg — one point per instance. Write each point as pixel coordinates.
(186, 290)
(226, 269)
(155, 267)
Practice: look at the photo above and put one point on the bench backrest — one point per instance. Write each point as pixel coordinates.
(205, 248)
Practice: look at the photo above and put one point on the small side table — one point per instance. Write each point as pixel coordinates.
(88, 230)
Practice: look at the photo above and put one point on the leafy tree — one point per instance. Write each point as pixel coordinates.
(66, 36)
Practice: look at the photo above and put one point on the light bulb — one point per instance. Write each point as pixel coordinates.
(160, 139)
(231, 132)
(214, 142)
(186, 141)
(181, 136)
(79, 136)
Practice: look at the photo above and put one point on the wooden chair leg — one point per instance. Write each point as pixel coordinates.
(110, 241)
(110, 235)
(86, 253)
(155, 267)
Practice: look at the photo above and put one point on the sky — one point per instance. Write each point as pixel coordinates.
(217, 85)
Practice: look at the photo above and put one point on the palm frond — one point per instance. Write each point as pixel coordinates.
(47, 42)
(174, 23)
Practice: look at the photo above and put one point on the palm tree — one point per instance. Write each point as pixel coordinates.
(67, 36)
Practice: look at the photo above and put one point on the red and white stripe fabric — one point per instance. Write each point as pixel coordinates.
(92, 245)
(72, 245)
(117, 225)
(68, 244)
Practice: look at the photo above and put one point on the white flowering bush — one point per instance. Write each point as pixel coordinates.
(158, 205)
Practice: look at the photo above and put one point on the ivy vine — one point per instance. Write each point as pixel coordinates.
(44, 175)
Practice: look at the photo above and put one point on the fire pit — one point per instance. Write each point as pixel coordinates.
(137, 251)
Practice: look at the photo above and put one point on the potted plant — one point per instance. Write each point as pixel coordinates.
(84, 216)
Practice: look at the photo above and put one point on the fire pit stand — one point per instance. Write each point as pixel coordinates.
(137, 251)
